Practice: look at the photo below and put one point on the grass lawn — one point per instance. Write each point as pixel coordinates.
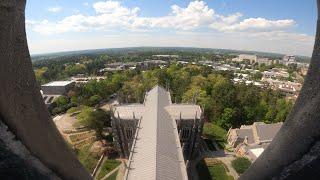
(108, 166)
(87, 159)
(113, 176)
(241, 164)
(215, 132)
(215, 171)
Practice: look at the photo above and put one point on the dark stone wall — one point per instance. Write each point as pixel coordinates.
(119, 127)
(21, 106)
(16, 162)
(294, 153)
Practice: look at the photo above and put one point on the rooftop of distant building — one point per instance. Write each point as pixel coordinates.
(58, 83)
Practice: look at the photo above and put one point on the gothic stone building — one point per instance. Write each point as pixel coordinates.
(157, 132)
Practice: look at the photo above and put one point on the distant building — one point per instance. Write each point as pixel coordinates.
(182, 62)
(250, 141)
(166, 56)
(110, 69)
(276, 73)
(82, 79)
(290, 89)
(288, 59)
(57, 87)
(302, 65)
(225, 67)
(54, 89)
(246, 57)
(157, 136)
(265, 61)
(149, 62)
(242, 75)
(206, 63)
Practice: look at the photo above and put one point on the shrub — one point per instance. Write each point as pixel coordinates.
(215, 132)
(61, 101)
(94, 100)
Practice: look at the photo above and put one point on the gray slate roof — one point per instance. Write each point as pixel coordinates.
(258, 132)
(156, 152)
(266, 132)
(243, 133)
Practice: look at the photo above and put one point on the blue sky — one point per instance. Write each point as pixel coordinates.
(283, 26)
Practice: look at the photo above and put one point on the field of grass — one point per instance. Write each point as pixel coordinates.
(215, 171)
(107, 167)
(113, 176)
(88, 160)
(241, 164)
(215, 132)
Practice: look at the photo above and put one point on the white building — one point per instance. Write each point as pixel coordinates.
(289, 59)
(265, 61)
(166, 56)
(81, 79)
(248, 57)
(54, 89)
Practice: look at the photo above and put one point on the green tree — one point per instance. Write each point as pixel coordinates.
(283, 108)
(94, 100)
(61, 101)
(196, 95)
(257, 76)
(227, 118)
(95, 119)
(74, 69)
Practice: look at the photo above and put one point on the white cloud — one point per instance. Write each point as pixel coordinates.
(282, 35)
(111, 14)
(195, 15)
(252, 24)
(85, 4)
(109, 7)
(55, 9)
